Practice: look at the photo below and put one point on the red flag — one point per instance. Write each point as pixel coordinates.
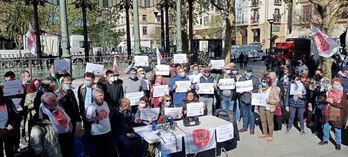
(114, 66)
(159, 56)
(31, 40)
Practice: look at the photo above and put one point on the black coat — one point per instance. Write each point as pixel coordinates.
(68, 102)
(13, 115)
(113, 93)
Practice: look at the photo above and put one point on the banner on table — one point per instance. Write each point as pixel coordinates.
(224, 133)
(97, 69)
(159, 91)
(195, 109)
(149, 113)
(217, 64)
(141, 61)
(180, 58)
(296, 88)
(199, 140)
(244, 86)
(206, 88)
(182, 86)
(62, 65)
(173, 112)
(13, 87)
(258, 99)
(226, 84)
(171, 144)
(134, 97)
(162, 70)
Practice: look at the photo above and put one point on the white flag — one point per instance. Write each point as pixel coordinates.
(114, 65)
(159, 56)
(31, 40)
(325, 45)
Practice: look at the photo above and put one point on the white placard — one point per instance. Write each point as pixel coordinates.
(298, 90)
(97, 69)
(217, 64)
(162, 70)
(258, 99)
(62, 65)
(182, 86)
(141, 61)
(16, 102)
(224, 133)
(244, 86)
(149, 113)
(159, 91)
(173, 112)
(226, 84)
(195, 109)
(13, 87)
(206, 88)
(134, 97)
(180, 58)
(171, 144)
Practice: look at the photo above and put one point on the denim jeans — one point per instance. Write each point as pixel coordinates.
(248, 116)
(237, 110)
(227, 103)
(326, 131)
(208, 103)
(300, 112)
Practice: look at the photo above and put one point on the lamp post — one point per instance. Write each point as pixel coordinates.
(162, 25)
(271, 21)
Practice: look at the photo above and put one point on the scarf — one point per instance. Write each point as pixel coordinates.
(59, 119)
(336, 95)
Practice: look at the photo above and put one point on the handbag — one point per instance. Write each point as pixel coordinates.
(278, 111)
(334, 114)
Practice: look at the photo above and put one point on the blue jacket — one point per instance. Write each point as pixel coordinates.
(177, 97)
(289, 99)
(344, 80)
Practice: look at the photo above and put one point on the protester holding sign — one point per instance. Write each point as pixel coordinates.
(178, 96)
(167, 108)
(295, 103)
(267, 113)
(132, 65)
(158, 82)
(189, 98)
(133, 83)
(208, 99)
(144, 102)
(333, 112)
(245, 99)
(227, 95)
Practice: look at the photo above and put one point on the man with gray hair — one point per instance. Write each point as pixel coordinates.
(47, 85)
(68, 101)
(50, 123)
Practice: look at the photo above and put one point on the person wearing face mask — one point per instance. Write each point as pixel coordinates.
(195, 75)
(145, 84)
(133, 83)
(296, 102)
(267, 113)
(122, 131)
(333, 111)
(47, 85)
(245, 100)
(84, 94)
(283, 84)
(25, 77)
(144, 102)
(56, 76)
(159, 82)
(165, 78)
(208, 99)
(113, 89)
(167, 103)
(68, 101)
(50, 134)
(343, 75)
(178, 96)
(236, 98)
(301, 68)
(227, 95)
(189, 98)
(146, 68)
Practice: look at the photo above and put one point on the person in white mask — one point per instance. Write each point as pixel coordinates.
(143, 103)
(113, 89)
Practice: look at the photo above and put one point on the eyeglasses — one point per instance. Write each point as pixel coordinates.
(168, 100)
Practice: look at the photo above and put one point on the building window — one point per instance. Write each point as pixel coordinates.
(200, 21)
(206, 20)
(147, 3)
(277, 1)
(144, 30)
(277, 15)
(158, 18)
(144, 17)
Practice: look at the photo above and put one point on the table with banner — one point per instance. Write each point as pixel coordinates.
(188, 140)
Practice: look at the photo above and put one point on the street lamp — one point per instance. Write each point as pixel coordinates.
(162, 25)
(271, 21)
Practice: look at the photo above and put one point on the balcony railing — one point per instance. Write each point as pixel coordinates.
(277, 2)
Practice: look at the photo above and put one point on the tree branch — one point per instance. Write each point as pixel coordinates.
(213, 2)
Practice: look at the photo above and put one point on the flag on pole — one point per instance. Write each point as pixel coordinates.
(325, 45)
(114, 66)
(31, 40)
(159, 56)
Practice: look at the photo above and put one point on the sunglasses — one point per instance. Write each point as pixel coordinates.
(168, 100)
(206, 72)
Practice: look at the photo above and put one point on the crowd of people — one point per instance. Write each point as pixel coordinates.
(46, 120)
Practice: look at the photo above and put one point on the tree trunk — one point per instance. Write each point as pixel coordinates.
(228, 41)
